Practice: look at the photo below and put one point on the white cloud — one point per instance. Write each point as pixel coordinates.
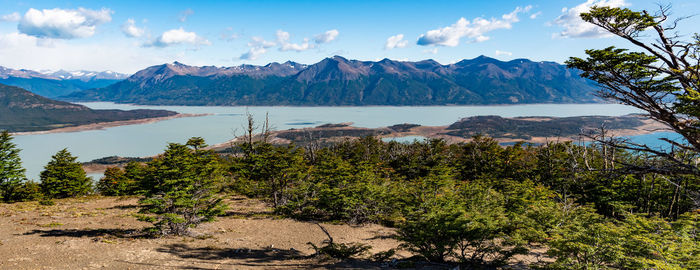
(260, 42)
(575, 27)
(326, 37)
(535, 15)
(22, 51)
(502, 53)
(258, 46)
(185, 14)
(63, 23)
(396, 41)
(475, 30)
(253, 53)
(12, 17)
(177, 37)
(431, 51)
(285, 45)
(130, 29)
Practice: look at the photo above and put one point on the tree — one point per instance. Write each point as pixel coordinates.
(11, 171)
(662, 79)
(64, 177)
(181, 186)
(116, 183)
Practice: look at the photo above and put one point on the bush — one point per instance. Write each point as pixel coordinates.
(116, 183)
(25, 191)
(64, 177)
(181, 189)
(589, 241)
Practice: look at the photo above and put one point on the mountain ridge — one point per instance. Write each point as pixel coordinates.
(58, 83)
(337, 81)
(21, 110)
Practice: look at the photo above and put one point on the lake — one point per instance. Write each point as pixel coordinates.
(226, 122)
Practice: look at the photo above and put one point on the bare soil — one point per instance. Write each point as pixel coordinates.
(102, 232)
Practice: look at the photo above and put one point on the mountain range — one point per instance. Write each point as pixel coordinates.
(21, 110)
(338, 81)
(58, 83)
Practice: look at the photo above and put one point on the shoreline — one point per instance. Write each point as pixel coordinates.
(105, 125)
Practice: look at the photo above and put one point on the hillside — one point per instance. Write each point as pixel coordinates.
(338, 81)
(58, 83)
(21, 110)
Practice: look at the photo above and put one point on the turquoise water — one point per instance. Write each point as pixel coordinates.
(226, 122)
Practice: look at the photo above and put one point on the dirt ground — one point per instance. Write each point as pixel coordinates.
(101, 232)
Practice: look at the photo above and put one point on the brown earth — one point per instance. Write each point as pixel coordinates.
(102, 233)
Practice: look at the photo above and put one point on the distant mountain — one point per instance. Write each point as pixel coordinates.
(21, 110)
(58, 83)
(339, 81)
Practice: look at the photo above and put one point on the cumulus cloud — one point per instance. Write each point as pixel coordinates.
(130, 29)
(253, 53)
(535, 15)
(22, 51)
(575, 27)
(177, 37)
(257, 46)
(396, 41)
(12, 17)
(185, 14)
(503, 53)
(63, 23)
(326, 37)
(475, 30)
(285, 45)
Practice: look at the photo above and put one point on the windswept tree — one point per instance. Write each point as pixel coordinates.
(660, 76)
(64, 177)
(11, 171)
(180, 188)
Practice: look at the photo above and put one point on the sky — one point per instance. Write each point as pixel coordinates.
(127, 36)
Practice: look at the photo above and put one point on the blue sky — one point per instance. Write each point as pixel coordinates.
(127, 36)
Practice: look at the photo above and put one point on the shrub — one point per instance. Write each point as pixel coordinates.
(64, 177)
(116, 183)
(181, 189)
(25, 191)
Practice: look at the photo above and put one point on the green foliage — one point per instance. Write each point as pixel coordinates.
(269, 171)
(64, 177)
(25, 191)
(115, 182)
(181, 186)
(588, 241)
(11, 171)
(479, 203)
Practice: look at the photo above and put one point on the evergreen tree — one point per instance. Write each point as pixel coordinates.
(116, 183)
(11, 171)
(181, 186)
(64, 177)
